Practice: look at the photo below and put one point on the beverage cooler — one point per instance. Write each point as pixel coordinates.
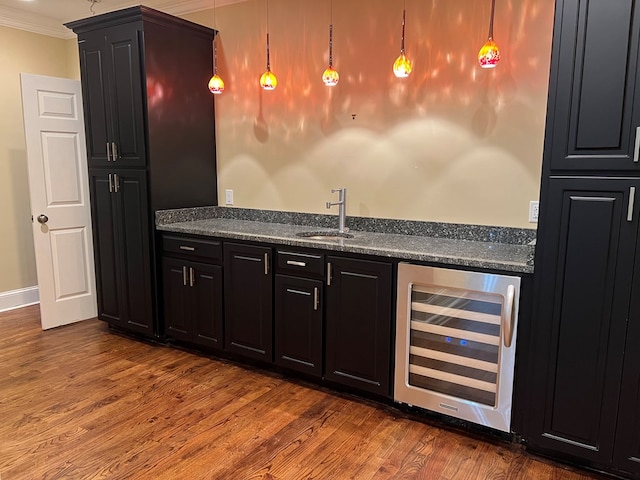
(455, 343)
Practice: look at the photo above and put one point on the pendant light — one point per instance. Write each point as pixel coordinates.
(268, 80)
(402, 67)
(330, 76)
(489, 54)
(216, 84)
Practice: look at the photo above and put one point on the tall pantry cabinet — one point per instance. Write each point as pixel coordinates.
(149, 122)
(585, 378)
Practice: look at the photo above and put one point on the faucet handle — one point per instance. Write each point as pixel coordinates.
(329, 204)
(334, 190)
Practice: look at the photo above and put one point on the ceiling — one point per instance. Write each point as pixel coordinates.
(47, 16)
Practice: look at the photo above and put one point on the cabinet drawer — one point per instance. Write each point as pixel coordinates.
(193, 247)
(300, 264)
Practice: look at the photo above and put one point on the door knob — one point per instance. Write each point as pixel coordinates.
(42, 218)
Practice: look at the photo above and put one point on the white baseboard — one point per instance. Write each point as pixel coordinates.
(19, 298)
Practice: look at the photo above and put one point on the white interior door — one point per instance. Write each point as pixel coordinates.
(59, 192)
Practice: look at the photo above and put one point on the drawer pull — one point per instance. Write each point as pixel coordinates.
(188, 249)
(298, 292)
(296, 264)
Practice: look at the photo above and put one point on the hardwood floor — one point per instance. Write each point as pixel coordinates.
(79, 402)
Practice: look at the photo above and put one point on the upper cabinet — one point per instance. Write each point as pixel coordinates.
(144, 86)
(593, 120)
(112, 82)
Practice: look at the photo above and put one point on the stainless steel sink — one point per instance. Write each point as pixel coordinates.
(324, 235)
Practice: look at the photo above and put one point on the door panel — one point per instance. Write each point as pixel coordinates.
(593, 116)
(103, 211)
(59, 192)
(206, 304)
(358, 324)
(134, 256)
(298, 324)
(176, 299)
(126, 85)
(96, 106)
(248, 290)
(584, 286)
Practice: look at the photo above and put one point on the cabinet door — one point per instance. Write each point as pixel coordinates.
(126, 86)
(132, 222)
(298, 324)
(206, 304)
(586, 241)
(593, 119)
(358, 324)
(248, 287)
(105, 244)
(95, 95)
(175, 277)
(627, 448)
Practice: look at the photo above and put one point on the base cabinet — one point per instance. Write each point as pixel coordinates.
(248, 287)
(358, 324)
(193, 302)
(192, 290)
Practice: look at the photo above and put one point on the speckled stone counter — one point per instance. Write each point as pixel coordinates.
(496, 248)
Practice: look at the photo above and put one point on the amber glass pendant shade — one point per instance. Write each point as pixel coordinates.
(402, 67)
(330, 76)
(268, 80)
(216, 84)
(489, 54)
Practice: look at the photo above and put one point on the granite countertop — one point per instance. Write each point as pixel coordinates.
(509, 257)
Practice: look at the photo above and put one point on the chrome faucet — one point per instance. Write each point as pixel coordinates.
(342, 208)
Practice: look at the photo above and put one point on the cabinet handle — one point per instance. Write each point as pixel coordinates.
(329, 274)
(108, 152)
(116, 183)
(188, 249)
(192, 277)
(636, 150)
(114, 151)
(266, 264)
(296, 264)
(315, 298)
(110, 183)
(507, 318)
(298, 292)
(632, 201)
(184, 275)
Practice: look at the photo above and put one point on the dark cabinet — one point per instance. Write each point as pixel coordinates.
(358, 324)
(121, 227)
(112, 87)
(192, 290)
(248, 288)
(627, 444)
(149, 123)
(589, 238)
(593, 116)
(298, 314)
(584, 391)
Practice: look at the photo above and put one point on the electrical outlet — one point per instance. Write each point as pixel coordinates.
(534, 209)
(228, 197)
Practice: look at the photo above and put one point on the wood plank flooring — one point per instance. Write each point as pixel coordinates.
(79, 402)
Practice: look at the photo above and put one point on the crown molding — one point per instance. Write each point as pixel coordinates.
(30, 22)
(22, 20)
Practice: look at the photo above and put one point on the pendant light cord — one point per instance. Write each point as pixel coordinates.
(268, 55)
(215, 50)
(404, 13)
(493, 8)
